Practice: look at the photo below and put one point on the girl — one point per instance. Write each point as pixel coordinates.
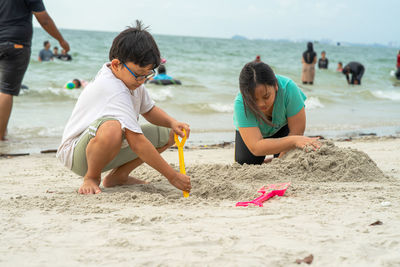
(269, 115)
(309, 59)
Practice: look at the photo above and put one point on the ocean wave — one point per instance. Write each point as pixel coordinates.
(54, 94)
(313, 103)
(161, 95)
(208, 108)
(32, 132)
(391, 95)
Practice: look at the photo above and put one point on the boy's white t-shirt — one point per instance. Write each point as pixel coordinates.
(105, 96)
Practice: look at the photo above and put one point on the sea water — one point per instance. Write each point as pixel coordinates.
(209, 70)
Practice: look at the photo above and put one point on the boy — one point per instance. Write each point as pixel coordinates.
(323, 61)
(103, 132)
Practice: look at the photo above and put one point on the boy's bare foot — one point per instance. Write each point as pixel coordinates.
(113, 180)
(90, 186)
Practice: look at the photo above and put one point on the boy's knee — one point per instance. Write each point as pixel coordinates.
(158, 136)
(110, 133)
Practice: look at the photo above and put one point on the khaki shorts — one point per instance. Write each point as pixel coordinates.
(157, 135)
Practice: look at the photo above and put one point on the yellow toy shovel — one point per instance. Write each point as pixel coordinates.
(180, 145)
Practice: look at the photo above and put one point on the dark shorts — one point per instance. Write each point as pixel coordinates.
(14, 60)
(243, 154)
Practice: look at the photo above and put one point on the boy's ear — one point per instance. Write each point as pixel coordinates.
(115, 63)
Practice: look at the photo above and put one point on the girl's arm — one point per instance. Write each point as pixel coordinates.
(260, 147)
(297, 123)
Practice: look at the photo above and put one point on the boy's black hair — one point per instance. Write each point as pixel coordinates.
(45, 43)
(135, 44)
(55, 47)
(162, 70)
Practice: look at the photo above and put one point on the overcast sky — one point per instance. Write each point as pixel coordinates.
(362, 21)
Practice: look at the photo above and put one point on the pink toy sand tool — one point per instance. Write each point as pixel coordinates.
(266, 193)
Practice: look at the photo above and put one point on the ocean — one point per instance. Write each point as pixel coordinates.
(209, 70)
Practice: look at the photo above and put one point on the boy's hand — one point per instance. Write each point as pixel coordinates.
(178, 127)
(181, 181)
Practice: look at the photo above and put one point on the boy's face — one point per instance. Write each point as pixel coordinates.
(122, 73)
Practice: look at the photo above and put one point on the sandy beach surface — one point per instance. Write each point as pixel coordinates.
(335, 195)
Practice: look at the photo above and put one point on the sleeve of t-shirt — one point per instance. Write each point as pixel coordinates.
(35, 5)
(243, 119)
(120, 107)
(146, 102)
(294, 99)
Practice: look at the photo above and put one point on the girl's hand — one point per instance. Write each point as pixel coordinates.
(303, 141)
(177, 127)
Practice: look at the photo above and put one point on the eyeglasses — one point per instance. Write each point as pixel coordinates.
(141, 77)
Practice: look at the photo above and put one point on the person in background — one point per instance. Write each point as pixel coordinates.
(55, 51)
(64, 56)
(258, 58)
(15, 48)
(269, 115)
(356, 70)
(45, 54)
(339, 67)
(308, 60)
(323, 61)
(162, 74)
(397, 74)
(75, 84)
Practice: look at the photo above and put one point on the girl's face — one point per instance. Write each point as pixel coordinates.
(265, 97)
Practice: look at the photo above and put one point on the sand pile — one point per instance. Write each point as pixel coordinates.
(236, 182)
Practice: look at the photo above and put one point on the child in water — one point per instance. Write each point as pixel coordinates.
(75, 84)
(269, 115)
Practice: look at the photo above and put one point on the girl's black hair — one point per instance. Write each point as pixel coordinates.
(253, 74)
(135, 44)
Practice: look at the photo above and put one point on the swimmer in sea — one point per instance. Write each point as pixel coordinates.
(339, 67)
(356, 70)
(75, 84)
(323, 61)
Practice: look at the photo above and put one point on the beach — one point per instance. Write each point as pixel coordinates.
(334, 197)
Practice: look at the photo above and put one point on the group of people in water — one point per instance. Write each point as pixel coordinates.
(309, 59)
(47, 55)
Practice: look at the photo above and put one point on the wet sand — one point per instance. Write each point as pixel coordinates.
(336, 193)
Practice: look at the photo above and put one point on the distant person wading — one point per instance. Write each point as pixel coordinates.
(309, 59)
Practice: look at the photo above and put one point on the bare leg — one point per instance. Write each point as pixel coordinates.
(99, 152)
(6, 102)
(120, 175)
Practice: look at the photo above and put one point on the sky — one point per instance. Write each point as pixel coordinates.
(356, 21)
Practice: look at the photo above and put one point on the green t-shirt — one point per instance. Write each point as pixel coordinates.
(288, 102)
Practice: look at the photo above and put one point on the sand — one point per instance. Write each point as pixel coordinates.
(335, 194)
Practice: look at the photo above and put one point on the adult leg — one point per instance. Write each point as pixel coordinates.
(100, 150)
(359, 76)
(6, 102)
(14, 60)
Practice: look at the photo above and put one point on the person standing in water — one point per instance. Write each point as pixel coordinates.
(356, 70)
(398, 66)
(269, 115)
(15, 48)
(323, 61)
(308, 60)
